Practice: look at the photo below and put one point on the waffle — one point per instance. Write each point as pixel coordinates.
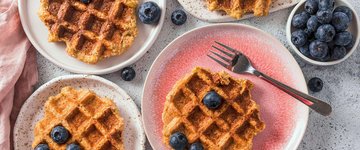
(93, 122)
(237, 8)
(94, 31)
(231, 126)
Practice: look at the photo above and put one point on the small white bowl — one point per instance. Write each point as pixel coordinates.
(354, 29)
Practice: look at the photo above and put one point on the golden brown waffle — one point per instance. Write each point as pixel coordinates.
(93, 122)
(237, 8)
(232, 126)
(94, 31)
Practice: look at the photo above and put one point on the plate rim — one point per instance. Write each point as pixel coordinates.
(141, 52)
(230, 19)
(305, 90)
(87, 77)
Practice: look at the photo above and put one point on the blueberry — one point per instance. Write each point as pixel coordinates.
(86, 1)
(212, 100)
(178, 141)
(324, 16)
(196, 146)
(299, 38)
(73, 146)
(318, 49)
(299, 20)
(312, 24)
(325, 33)
(326, 4)
(311, 6)
(343, 38)
(338, 52)
(345, 10)
(149, 13)
(178, 17)
(326, 58)
(128, 74)
(59, 134)
(351, 44)
(340, 21)
(42, 147)
(305, 50)
(315, 84)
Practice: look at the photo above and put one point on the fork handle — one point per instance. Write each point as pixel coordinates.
(314, 103)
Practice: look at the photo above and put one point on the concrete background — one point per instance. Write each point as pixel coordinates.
(341, 89)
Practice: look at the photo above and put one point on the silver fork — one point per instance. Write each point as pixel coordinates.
(239, 63)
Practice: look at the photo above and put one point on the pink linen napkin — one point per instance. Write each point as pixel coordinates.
(18, 69)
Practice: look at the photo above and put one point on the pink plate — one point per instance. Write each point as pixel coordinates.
(285, 117)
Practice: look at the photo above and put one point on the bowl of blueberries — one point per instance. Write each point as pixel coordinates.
(323, 32)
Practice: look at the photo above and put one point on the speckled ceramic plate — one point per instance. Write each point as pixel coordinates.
(32, 110)
(198, 8)
(37, 33)
(285, 117)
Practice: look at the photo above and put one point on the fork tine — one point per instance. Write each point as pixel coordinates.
(218, 61)
(224, 52)
(222, 57)
(227, 47)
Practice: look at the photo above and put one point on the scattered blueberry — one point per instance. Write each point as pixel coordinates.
(299, 38)
(86, 1)
(178, 17)
(178, 141)
(73, 146)
(312, 24)
(59, 134)
(196, 146)
(42, 147)
(318, 49)
(299, 20)
(324, 16)
(345, 10)
(305, 50)
(326, 4)
(315, 84)
(351, 44)
(212, 100)
(325, 33)
(311, 6)
(149, 13)
(340, 21)
(343, 38)
(338, 52)
(128, 74)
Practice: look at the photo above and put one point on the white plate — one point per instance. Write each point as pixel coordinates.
(198, 8)
(37, 33)
(32, 110)
(285, 117)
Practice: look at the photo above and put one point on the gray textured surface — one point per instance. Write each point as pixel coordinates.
(341, 130)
